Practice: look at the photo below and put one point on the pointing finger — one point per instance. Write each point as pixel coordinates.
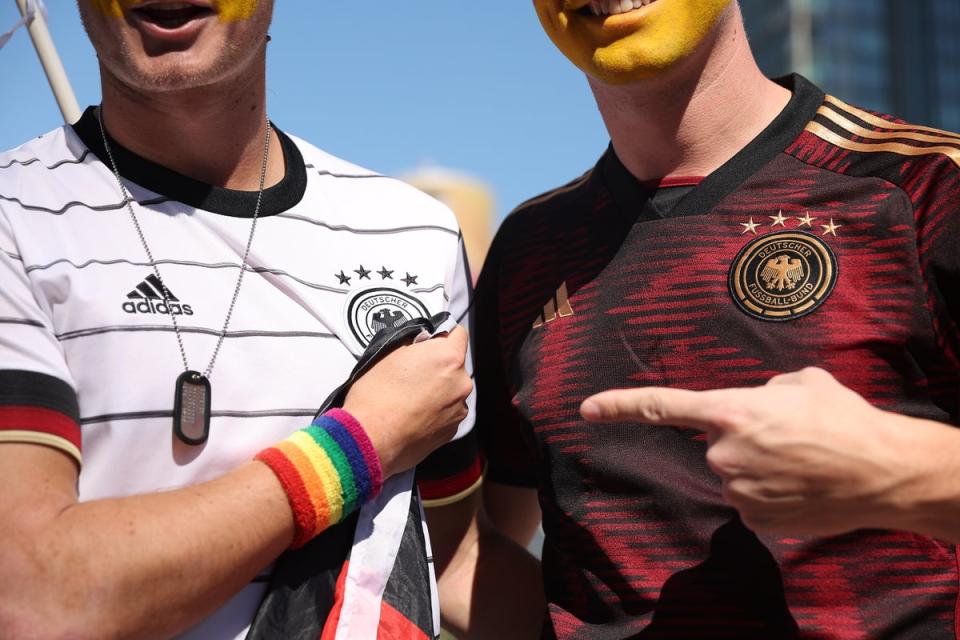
(711, 411)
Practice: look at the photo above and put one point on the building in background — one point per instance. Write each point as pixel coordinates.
(894, 56)
(470, 199)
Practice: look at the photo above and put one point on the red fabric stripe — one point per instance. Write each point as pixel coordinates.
(396, 626)
(452, 485)
(333, 619)
(956, 622)
(303, 512)
(41, 420)
(673, 181)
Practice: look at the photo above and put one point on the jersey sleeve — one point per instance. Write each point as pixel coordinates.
(454, 471)
(937, 210)
(505, 436)
(38, 403)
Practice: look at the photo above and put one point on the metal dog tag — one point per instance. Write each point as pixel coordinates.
(191, 408)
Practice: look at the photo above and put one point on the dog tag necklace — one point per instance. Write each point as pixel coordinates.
(191, 400)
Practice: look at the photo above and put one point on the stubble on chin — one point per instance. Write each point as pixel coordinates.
(128, 63)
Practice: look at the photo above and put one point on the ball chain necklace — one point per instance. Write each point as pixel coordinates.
(191, 404)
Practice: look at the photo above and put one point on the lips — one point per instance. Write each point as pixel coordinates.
(172, 16)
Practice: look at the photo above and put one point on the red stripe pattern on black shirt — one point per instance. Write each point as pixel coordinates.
(638, 538)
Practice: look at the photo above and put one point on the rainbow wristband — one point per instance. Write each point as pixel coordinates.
(328, 470)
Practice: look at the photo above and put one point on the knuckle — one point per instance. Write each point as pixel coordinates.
(782, 378)
(722, 460)
(652, 408)
(730, 414)
(815, 374)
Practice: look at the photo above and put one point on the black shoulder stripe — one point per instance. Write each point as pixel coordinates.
(30, 388)
(450, 459)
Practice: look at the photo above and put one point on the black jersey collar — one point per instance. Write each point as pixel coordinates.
(200, 195)
(806, 98)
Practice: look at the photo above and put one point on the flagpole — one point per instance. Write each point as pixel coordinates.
(52, 66)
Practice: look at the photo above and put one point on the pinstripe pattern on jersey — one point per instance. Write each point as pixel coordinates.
(59, 163)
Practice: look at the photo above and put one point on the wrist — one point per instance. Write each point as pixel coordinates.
(379, 438)
(327, 470)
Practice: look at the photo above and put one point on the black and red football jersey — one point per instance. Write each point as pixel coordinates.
(831, 240)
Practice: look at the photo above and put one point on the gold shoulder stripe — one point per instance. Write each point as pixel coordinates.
(886, 124)
(836, 139)
(37, 437)
(863, 132)
(570, 186)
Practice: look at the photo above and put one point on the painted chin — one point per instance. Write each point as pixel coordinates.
(622, 41)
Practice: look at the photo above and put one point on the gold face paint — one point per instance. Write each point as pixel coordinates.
(109, 7)
(235, 10)
(227, 10)
(631, 46)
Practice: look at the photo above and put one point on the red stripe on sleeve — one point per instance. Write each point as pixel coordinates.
(41, 420)
(445, 487)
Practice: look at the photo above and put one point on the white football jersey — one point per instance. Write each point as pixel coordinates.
(339, 253)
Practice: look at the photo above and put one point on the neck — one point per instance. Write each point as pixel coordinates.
(214, 134)
(695, 117)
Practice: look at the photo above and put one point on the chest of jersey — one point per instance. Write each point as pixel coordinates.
(313, 295)
(733, 297)
(754, 288)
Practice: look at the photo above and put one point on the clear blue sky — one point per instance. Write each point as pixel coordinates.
(475, 87)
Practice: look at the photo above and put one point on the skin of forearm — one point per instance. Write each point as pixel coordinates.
(493, 589)
(490, 586)
(144, 566)
(513, 511)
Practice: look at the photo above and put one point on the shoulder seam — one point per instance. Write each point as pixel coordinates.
(549, 195)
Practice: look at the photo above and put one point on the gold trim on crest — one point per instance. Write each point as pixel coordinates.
(782, 276)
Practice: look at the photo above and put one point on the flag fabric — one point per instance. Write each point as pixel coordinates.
(31, 9)
(371, 577)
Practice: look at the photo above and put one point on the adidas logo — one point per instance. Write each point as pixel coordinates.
(147, 297)
(558, 305)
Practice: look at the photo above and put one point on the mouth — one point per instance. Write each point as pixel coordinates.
(172, 16)
(603, 8)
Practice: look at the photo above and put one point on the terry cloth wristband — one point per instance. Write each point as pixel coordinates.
(328, 470)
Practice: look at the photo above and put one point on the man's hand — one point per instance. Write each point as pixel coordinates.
(805, 455)
(411, 402)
